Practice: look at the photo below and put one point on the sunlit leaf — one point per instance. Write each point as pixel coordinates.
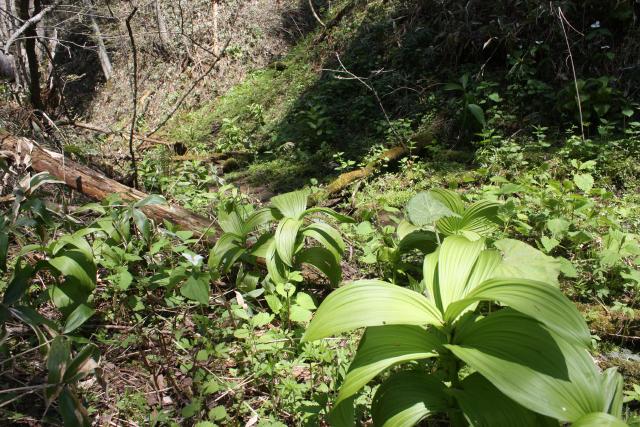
(291, 205)
(384, 346)
(323, 260)
(424, 210)
(286, 238)
(541, 301)
(537, 369)
(370, 303)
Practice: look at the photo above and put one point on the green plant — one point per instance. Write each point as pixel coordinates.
(527, 356)
(470, 107)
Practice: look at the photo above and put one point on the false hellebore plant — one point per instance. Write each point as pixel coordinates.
(493, 343)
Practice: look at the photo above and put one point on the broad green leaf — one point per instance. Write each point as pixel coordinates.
(478, 113)
(76, 240)
(384, 346)
(456, 259)
(584, 182)
(530, 365)
(278, 271)
(406, 398)
(57, 361)
(335, 215)
(484, 405)
(449, 198)
(196, 289)
(425, 210)
(42, 178)
(370, 303)
(72, 411)
(558, 226)
(256, 219)
(226, 252)
(343, 414)
(323, 260)
(299, 314)
(479, 220)
(19, 283)
(77, 317)
(75, 265)
(291, 205)
(523, 261)
(285, 239)
(231, 222)
(599, 419)
(304, 300)
(153, 199)
(424, 241)
(613, 384)
(327, 236)
(541, 301)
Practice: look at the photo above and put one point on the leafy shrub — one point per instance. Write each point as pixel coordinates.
(527, 356)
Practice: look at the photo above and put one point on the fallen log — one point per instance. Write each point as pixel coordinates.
(417, 142)
(97, 186)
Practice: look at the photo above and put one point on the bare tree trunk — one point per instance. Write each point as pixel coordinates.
(103, 55)
(162, 27)
(216, 47)
(32, 57)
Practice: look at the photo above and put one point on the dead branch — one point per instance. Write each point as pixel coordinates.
(28, 24)
(134, 117)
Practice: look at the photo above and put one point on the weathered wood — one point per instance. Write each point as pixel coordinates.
(418, 142)
(97, 186)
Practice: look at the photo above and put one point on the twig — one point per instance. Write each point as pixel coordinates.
(372, 89)
(197, 82)
(315, 15)
(29, 23)
(563, 19)
(135, 97)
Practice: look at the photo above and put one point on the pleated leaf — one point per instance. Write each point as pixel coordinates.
(384, 346)
(285, 239)
(535, 368)
(406, 398)
(335, 215)
(541, 301)
(291, 205)
(456, 260)
(599, 419)
(327, 236)
(370, 303)
(323, 260)
(485, 406)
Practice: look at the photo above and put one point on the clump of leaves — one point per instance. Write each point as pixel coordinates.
(523, 362)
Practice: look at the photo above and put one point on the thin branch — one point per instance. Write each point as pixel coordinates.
(315, 15)
(29, 23)
(563, 19)
(135, 97)
(197, 82)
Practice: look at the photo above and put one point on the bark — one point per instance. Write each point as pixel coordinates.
(97, 186)
(214, 7)
(162, 27)
(32, 57)
(103, 55)
(7, 67)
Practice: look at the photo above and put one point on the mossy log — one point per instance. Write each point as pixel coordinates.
(417, 142)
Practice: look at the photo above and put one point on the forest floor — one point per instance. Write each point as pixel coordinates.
(304, 119)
